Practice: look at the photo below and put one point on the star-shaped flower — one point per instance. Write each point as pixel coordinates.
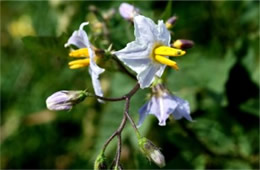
(163, 104)
(148, 54)
(80, 39)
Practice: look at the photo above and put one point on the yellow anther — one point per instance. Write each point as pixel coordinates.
(177, 44)
(83, 52)
(168, 25)
(79, 63)
(166, 61)
(76, 66)
(168, 51)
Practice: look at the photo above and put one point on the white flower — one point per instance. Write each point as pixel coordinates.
(148, 54)
(79, 38)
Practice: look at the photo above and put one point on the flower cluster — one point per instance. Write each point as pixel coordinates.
(147, 56)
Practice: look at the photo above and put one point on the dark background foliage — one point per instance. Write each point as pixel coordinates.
(219, 77)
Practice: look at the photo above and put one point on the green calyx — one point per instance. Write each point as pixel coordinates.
(100, 162)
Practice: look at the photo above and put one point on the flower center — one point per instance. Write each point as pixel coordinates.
(162, 52)
(79, 63)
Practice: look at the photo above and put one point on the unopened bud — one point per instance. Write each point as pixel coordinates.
(151, 151)
(65, 100)
(128, 11)
(183, 44)
(170, 22)
(109, 14)
(100, 162)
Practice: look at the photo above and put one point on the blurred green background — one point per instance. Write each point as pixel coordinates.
(219, 77)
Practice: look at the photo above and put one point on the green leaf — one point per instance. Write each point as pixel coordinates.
(167, 12)
(251, 107)
(251, 62)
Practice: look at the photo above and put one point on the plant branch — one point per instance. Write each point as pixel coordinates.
(128, 95)
(130, 119)
(119, 130)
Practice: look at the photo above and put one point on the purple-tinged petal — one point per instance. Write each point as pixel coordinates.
(143, 111)
(128, 11)
(64, 100)
(182, 110)
(79, 38)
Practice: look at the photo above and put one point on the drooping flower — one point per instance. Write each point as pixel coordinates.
(80, 39)
(128, 11)
(151, 151)
(65, 100)
(163, 104)
(148, 54)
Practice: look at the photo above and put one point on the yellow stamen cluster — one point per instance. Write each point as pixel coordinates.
(161, 52)
(79, 63)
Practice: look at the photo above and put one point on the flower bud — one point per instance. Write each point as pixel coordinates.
(100, 162)
(170, 22)
(183, 44)
(151, 151)
(128, 11)
(65, 100)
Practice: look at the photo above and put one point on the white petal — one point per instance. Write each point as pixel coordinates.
(135, 50)
(161, 70)
(96, 84)
(145, 29)
(79, 38)
(146, 77)
(164, 35)
(135, 56)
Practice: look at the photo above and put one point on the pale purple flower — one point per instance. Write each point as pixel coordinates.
(162, 105)
(128, 11)
(64, 100)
